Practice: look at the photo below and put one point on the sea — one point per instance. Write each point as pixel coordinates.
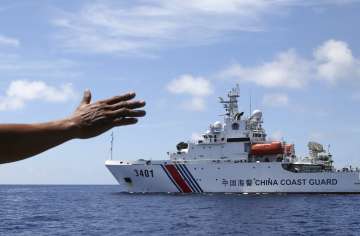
(105, 210)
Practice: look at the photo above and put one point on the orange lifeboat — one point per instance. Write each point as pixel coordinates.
(267, 148)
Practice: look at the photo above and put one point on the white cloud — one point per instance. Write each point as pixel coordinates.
(119, 28)
(188, 84)
(287, 70)
(335, 61)
(332, 62)
(143, 26)
(8, 41)
(276, 100)
(21, 91)
(197, 87)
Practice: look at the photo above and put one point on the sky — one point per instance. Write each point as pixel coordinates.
(299, 61)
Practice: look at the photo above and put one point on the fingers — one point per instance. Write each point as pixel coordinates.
(86, 97)
(116, 99)
(124, 112)
(127, 104)
(125, 121)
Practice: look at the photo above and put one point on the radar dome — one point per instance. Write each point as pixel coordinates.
(217, 125)
(257, 114)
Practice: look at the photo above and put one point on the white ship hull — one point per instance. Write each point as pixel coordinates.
(227, 177)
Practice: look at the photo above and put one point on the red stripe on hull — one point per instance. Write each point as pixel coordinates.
(178, 179)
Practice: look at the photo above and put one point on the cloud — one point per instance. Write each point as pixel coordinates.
(197, 87)
(8, 41)
(118, 28)
(21, 91)
(113, 27)
(276, 100)
(286, 70)
(332, 62)
(187, 84)
(137, 28)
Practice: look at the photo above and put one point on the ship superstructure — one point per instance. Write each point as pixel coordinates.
(236, 156)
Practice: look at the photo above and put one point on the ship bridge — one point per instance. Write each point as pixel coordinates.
(231, 139)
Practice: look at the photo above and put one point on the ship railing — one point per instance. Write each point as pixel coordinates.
(348, 169)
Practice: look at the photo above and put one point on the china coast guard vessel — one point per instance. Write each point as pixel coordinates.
(236, 156)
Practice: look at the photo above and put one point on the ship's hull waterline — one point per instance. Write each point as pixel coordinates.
(227, 177)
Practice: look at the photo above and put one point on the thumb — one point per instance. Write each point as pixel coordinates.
(86, 97)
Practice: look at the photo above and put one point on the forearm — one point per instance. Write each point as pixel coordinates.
(20, 141)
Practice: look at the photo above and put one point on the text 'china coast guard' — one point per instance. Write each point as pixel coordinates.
(236, 156)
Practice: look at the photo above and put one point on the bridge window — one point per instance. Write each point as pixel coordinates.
(235, 126)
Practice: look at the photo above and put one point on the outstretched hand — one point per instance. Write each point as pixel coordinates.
(92, 119)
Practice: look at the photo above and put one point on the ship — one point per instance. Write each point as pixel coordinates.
(236, 156)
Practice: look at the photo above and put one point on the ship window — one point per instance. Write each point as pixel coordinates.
(246, 147)
(235, 126)
(215, 140)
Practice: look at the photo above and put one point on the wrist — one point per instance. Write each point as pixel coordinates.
(69, 128)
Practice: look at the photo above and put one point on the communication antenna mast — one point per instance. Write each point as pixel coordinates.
(111, 145)
(250, 104)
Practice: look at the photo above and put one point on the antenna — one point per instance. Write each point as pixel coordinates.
(112, 144)
(250, 104)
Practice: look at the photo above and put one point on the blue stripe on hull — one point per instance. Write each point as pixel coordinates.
(192, 177)
(185, 174)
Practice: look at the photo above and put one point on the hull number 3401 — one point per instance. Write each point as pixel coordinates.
(144, 173)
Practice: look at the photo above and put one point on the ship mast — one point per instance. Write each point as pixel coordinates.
(111, 145)
(231, 105)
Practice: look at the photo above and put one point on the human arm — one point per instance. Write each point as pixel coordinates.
(21, 141)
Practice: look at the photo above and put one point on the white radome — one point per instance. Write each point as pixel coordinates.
(217, 125)
(235, 156)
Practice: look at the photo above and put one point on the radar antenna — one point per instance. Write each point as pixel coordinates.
(231, 105)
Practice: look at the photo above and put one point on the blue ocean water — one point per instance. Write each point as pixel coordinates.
(104, 210)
